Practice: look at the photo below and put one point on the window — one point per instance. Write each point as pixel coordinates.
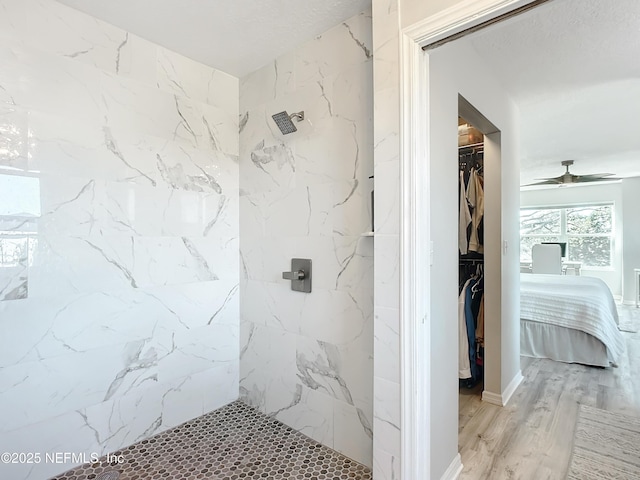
(587, 229)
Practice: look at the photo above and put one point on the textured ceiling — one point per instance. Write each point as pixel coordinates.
(236, 36)
(573, 69)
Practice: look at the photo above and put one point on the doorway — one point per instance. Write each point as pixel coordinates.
(430, 105)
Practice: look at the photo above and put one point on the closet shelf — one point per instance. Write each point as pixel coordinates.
(471, 145)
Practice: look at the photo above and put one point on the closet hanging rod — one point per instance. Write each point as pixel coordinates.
(473, 145)
(471, 261)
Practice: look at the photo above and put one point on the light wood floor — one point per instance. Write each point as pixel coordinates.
(531, 438)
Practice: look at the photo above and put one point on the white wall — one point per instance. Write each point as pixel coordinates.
(307, 359)
(631, 236)
(587, 194)
(501, 170)
(120, 317)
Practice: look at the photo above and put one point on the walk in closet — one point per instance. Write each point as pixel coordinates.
(471, 255)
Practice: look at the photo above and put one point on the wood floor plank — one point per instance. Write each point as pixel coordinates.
(532, 437)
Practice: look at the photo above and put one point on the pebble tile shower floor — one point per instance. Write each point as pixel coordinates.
(235, 442)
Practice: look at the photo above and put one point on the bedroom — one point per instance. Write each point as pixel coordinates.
(577, 96)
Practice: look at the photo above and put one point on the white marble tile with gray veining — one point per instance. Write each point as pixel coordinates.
(306, 195)
(42, 82)
(273, 81)
(268, 369)
(74, 381)
(311, 413)
(124, 234)
(353, 432)
(182, 76)
(317, 58)
(14, 137)
(386, 416)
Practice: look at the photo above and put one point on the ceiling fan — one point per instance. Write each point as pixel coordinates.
(569, 178)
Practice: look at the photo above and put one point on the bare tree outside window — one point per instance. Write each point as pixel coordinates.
(588, 231)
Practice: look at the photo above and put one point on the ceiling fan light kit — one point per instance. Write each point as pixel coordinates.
(568, 178)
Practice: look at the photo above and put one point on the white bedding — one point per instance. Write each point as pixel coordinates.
(575, 302)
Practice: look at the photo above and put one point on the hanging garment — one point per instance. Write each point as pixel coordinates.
(464, 366)
(480, 335)
(464, 219)
(471, 189)
(471, 331)
(475, 196)
(480, 327)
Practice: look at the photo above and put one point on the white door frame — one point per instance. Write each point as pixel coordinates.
(415, 237)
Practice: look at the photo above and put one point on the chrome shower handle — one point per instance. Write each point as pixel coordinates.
(295, 275)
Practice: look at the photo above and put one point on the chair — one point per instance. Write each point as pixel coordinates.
(546, 259)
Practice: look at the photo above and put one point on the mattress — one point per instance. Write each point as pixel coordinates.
(580, 304)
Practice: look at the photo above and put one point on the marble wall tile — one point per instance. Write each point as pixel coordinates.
(269, 164)
(268, 373)
(100, 263)
(385, 44)
(311, 413)
(386, 417)
(274, 80)
(340, 318)
(317, 58)
(109, 425)
(38, 81)
(387, 272)
(387, 344)
(342, 263)
(13, 21)
(320, 367)
(386, 466)
(119, 235)
(14, 137)
(386, 81)
(187, 78)
(39, 328)
(45, 437)
(387, 198)
(351, 436)
(307, 195)
(73, 381)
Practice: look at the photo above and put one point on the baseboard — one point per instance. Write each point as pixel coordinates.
(492, 398)
(454, 470)
(511, 388)
(502, 399)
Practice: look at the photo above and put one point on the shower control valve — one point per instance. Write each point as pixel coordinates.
(299, 275)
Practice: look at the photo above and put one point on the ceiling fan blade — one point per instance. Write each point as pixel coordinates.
(570, 179)
(595, 175)
(550, 181)
(595, 178)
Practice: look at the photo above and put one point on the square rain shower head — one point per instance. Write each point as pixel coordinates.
(284, 123)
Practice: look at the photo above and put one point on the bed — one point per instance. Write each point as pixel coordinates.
(570, 319)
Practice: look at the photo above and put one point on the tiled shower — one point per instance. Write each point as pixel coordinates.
(149, 207)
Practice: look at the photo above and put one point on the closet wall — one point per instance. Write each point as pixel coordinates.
(449, 66)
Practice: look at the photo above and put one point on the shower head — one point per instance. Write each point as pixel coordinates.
(284, 123)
